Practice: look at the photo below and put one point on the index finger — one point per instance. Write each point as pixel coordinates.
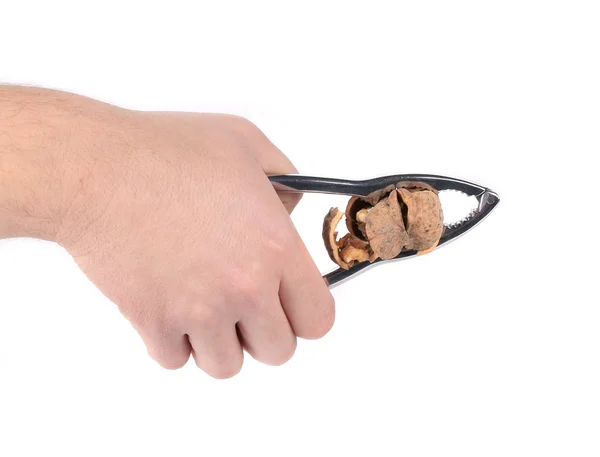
(274, 162)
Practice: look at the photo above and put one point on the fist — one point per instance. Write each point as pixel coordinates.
(175, 221)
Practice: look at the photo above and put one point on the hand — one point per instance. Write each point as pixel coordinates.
(195, 247)
(171, 215)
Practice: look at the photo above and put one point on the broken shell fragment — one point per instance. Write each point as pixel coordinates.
(353, 250)
(329, 236)
(349, 250)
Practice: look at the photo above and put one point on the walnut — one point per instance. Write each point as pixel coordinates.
(404, 217)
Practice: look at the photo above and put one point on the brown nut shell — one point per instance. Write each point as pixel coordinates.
(424, 218)
(385, 228)
(349, 250)
(377, 195)
(415, 186)
(405, 216)
(353, 250)
(329, 236)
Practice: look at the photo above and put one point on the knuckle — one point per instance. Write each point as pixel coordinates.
(283, 355)
(169, 362)
(248, 288)
(323, 324)
(172, 364)
(224, 370)
(203, 315)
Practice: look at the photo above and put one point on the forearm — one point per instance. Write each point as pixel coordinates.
(50, 142)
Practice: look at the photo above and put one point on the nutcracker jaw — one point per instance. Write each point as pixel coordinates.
(487, 200)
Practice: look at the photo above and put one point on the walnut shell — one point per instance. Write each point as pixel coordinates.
(402, 217)
(377, 195)
(329, 236)
(415, 185)
(349, 250)
(353, 250)
(424, 218)
(385, 228)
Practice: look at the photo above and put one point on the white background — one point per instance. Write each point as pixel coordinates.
(487, 347)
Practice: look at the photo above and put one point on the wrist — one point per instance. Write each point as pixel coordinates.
(52, 147)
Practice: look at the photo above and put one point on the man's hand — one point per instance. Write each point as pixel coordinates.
(172, 216)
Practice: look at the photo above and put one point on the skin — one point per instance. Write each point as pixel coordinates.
(172, 217)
